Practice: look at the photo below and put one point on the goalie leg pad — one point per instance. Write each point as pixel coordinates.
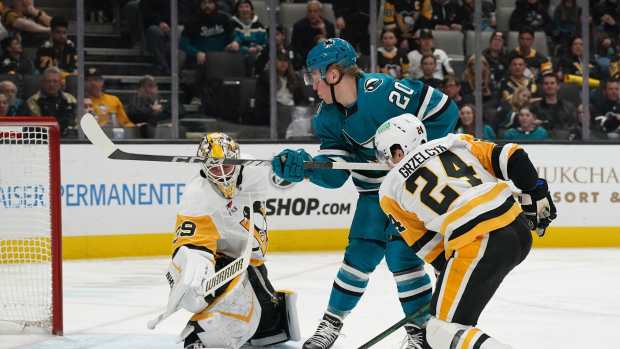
(279, 322)
(232, 318)
(447, 335)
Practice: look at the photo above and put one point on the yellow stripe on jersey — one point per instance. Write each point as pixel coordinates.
(513, 148)
(198, 231)
(414, 228)
(486, 227)
(482, 150)
(456, 271)
(463, 210)
(483, 227)
(435, 252)
(471, 333)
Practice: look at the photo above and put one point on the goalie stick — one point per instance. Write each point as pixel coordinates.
(396, 326)
(95, 134)
(219, 279)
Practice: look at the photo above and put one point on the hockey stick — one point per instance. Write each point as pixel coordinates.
(394, 327)
(95, 134)
(219, 279)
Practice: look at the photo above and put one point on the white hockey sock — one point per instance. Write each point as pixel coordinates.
(447, 335)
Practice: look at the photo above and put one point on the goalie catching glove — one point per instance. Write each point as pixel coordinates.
(538, 207)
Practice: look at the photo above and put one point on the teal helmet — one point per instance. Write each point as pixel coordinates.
(328, 52)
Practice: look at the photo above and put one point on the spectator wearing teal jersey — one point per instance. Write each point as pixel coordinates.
(467, 123)
(528, 128)
(250, 36)
(209, 31)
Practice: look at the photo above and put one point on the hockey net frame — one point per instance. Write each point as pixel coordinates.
(55, 323)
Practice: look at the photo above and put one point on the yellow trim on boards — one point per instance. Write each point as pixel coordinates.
(137, 245)
(579, 237)
(109, 246)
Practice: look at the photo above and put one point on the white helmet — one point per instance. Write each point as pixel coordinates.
(406, 131)
(217, 146)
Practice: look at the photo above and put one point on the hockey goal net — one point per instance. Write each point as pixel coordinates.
(30, 233)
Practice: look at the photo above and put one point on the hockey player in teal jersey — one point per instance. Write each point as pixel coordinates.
(354, 105)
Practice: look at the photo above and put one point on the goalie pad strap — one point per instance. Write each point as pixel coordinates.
(194, 247)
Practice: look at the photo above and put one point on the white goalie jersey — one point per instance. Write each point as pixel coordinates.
(208, 225)
(209, 222)
(221, 218)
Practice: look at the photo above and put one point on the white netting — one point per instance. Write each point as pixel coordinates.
(25, 227)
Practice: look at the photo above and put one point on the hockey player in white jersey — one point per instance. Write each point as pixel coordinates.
(212, 227)
(450, 200)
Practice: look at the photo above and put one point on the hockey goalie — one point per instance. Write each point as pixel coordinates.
(221, 205)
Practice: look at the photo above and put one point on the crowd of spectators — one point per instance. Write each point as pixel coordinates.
(527, 93)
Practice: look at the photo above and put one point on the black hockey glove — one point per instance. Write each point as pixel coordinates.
(610, 122)
(538, 207)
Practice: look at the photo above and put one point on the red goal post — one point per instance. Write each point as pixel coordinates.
(30, 232)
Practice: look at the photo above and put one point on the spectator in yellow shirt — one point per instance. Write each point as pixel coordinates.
(104, 104)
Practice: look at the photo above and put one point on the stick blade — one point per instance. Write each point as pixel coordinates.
(95, 134)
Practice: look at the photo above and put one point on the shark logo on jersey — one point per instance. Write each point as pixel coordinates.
(372, 84)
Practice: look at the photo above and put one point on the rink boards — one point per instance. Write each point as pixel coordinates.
(117, 208)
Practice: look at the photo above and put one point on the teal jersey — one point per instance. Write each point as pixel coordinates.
(517, 134)
(347, 134)
(487, 132)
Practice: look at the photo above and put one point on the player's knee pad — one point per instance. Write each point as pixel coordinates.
(364, 254)
(447, 335)
(399, 256)
(279, 321)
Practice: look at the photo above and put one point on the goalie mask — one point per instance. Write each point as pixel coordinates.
(406, 131)
(216, 147)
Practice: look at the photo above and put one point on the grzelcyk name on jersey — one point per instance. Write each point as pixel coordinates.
(372, 84)
(418, 159)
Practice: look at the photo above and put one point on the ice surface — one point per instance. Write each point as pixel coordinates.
(558, 298)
